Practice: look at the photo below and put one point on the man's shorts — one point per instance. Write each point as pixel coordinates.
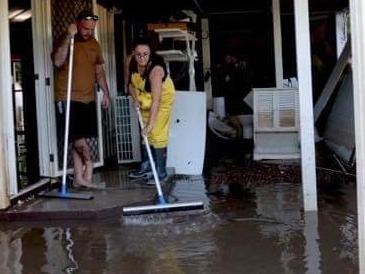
(83, 121)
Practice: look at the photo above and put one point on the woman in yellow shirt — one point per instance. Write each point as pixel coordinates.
(153, 92)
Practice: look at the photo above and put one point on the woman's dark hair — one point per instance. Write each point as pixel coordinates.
(154, 60)
(143, 40)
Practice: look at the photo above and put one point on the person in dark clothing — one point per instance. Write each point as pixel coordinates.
(233, 80)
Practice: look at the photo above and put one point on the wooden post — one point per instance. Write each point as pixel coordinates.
(206, 62)
(302, 35)
(277, 43)
(357, 13)
(7, 166)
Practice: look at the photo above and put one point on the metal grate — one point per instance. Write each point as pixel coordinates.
(128, 136)
(94, 151)
(64, 13)
(276, 109)
(265, 115)
(287, 109)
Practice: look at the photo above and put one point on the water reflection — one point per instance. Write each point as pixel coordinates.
(10, 254)
(164, 245)
(312, 252)
(69, 246)
(261, 230)
(294, 236)
(282, 203)
(55, 254)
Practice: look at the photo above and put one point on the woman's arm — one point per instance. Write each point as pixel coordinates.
(128, 85)
(133, 93)
(155, 79)
(127, 62)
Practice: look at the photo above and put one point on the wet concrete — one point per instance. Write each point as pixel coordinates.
(253, 223)
(246, 230)
(114, 192)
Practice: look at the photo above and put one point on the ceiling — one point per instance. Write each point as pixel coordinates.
(160, 7)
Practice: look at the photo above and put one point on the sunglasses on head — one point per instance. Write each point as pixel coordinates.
(91, 17)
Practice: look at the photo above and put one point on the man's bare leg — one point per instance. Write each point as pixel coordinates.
(88, 173)
(78, 168)
(83, 160)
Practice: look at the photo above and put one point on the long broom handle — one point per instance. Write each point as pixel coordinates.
(152, 162)
(67, 122)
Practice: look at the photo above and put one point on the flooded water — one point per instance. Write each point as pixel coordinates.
(257, 230)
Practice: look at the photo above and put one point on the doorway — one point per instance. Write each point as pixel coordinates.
(23, 92)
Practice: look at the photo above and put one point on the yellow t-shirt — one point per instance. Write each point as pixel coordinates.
(87, 54)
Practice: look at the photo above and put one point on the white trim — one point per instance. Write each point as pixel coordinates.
(303, 52)
(7, 167)
(42, 41)
(357, 16)
(51, 112)
(275, 156)
(277, 43)
(6, 104)
(40, 183)
(342, 31)
(100, 131)
(107, 44)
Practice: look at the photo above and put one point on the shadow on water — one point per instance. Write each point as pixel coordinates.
(246, 230)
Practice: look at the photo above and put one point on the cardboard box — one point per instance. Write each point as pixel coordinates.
(175, 25)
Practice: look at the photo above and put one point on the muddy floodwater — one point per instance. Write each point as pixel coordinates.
(260, 229)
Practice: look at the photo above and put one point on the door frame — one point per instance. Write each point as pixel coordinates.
(10, 183)
(43, 71)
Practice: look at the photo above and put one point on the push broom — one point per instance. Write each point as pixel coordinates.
(163, 205)
(64, 193)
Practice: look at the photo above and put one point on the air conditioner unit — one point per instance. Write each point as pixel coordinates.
(128, 132)
(276, 124)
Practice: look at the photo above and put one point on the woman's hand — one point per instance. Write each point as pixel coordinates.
(136, 104)
(147, 130)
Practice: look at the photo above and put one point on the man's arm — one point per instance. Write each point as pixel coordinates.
(59, 55)
(101, 80)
